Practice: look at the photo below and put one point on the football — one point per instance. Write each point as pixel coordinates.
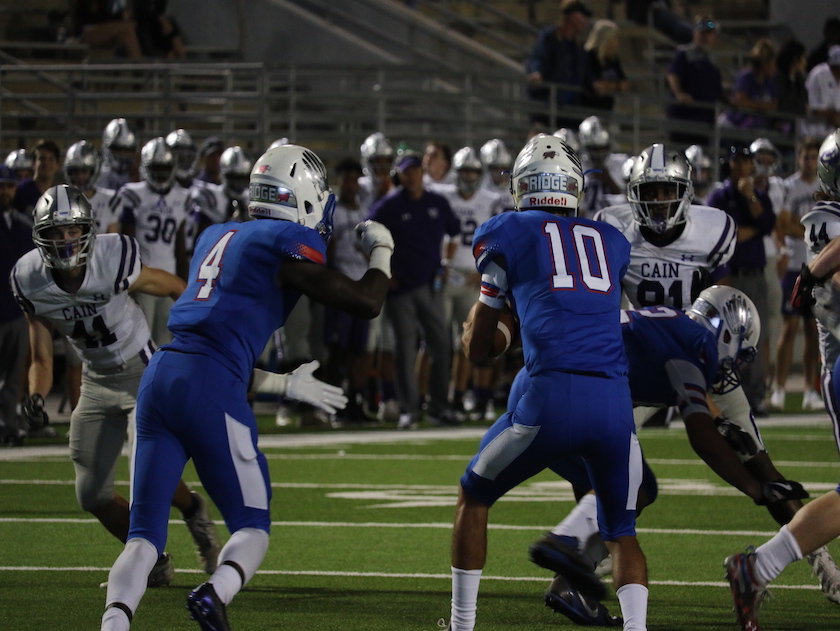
(507, 331)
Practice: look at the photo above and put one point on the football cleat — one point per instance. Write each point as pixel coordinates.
(561, 555)
(580, 609)
(827, 572)
(207, 609)
(163, 572)
(746, 592)
(203, 532)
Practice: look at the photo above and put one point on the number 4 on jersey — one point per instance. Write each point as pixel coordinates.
(211, 267)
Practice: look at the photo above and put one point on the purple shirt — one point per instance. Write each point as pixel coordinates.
(765, 91)
(15, 241)
(418, 227)
(748, 254)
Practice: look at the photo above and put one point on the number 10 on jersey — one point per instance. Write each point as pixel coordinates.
(588, 245)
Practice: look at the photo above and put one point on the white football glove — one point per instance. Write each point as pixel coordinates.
(302, 386)
(373, 234)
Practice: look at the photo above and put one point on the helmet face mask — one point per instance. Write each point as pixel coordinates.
(21, 163)
(594, 139)
(766, 157)
(734, 319)
(290, 183)
(185, 152)
(828, 166)
(468, 168)
(377, 156)
(497, 161)
(82, 165)
(235, 168)
(64, 228)
(547, 176)
(118, 145)
(660, 189)
(157, 165)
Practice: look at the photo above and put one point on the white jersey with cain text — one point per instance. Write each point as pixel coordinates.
(157, 218)
(662, 275)
(101, 320)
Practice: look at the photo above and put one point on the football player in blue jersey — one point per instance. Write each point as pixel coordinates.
(562, 275)
(244, 280)
(675, 359)
(818, 523)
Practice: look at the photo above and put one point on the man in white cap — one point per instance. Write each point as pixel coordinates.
(823, 84)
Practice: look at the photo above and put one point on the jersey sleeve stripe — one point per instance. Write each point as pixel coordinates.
(25, 304)
(122, 280)
(717, 253)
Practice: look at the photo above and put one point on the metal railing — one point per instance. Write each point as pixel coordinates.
(329, 108)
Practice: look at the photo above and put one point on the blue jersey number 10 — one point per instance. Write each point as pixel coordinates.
(591, 256)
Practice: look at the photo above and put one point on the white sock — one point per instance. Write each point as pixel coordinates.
(775, 555)
(582, 522)
(633, 598)
(127, 582)
(246, 548)
(464, 599)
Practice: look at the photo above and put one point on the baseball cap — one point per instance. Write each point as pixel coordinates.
(834, 55)
(7, 175)
(704, 24)
(408, 160)
(572, 6)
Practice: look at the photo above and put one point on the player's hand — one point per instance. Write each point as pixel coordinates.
(34, 413)
(802, 298)
(741, 442)
(373, 234)
(782, 491)
(302, 386)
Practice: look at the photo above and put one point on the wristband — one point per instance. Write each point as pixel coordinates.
(380, 258)
(268, 382)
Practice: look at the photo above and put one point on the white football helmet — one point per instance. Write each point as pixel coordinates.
(279, 143)
(118, 145)
(377, 147)
(235, 168)
(733, 318)
(468, 167)
(157, 165)
(494, 155)
(547, 176)
(21, 163)
(828, 167)
(700, 166)
(655, 166)
(60, 206)
(765, 157)
(186, 154)
(569, 137)
(594, 139)
(81, 165)
(290, 183)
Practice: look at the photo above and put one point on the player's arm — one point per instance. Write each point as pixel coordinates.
(480, 333)
(41, 347)
(157, 282)
(787, 226)
(362, 298)
(702, 432)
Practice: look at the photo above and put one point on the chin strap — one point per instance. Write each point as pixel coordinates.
(325, 226)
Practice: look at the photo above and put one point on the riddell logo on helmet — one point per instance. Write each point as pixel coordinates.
(547, 201)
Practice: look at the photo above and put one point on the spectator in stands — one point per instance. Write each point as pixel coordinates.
(210, 157)
(105, 24)
(158, 33)
(831, 37)
(799, 199)
(695, 82)
(823, 84)
(418, 220)
(790, 80)
(663, 17)
(47, 158)
(557, 57)
(755, 89)
(437, 164)
(604, 66)
(753, 212)
(15, 241)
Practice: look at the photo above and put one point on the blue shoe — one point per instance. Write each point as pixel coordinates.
(206, 609)
(578, 608)
(746, 592)
(561, 556)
